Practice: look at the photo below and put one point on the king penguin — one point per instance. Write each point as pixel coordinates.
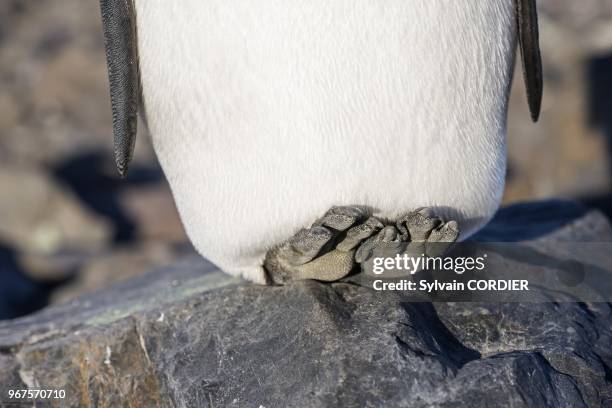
(298, 134)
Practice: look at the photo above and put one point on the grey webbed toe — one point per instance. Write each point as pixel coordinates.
(324, 252)
(446, 232)
(417, 233)
(347, 236)
(386, 238)
(418, 224)
(442, 238)
(357, 234)
(306, 244)
(341, 218)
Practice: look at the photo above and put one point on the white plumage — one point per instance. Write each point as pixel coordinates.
(265, 114)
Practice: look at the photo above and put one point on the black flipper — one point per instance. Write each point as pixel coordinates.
(119, 23)
(527, 19)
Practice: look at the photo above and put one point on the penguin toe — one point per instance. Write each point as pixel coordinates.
(418, 225)
(386, 240)
(442, 238)
(415, 234)
(341, 218)
(345, 237)
(306, 244)
(358, 233)
(427, 233)
(283, 261)
(325, 251)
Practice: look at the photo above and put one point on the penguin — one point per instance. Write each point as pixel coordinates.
(297, 136)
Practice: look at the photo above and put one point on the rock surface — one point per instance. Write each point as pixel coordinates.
(191, 336)
(41, 217)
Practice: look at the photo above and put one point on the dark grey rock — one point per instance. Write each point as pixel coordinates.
(190, 336)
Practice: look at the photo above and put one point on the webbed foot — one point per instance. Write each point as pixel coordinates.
(415, 234)
(326, 250)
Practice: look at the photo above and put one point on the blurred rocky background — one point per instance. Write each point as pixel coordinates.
(69, 225)
(569, 152)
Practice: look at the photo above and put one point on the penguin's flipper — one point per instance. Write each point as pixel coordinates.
(527, 19)
(119, 24)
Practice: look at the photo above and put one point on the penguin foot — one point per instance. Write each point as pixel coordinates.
(326, 250)
(415, 234)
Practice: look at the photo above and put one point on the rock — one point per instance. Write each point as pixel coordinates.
(589, 21)
(191, 336)
(19, 293)
(115, 266)
(37, 215)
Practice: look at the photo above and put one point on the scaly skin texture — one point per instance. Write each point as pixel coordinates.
(120, 40)
(326, 251)
(347, 236)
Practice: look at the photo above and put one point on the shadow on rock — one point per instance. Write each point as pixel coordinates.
(19, 293)
(599, 98)
(527, 221)
(426, 325)
(93, 179)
